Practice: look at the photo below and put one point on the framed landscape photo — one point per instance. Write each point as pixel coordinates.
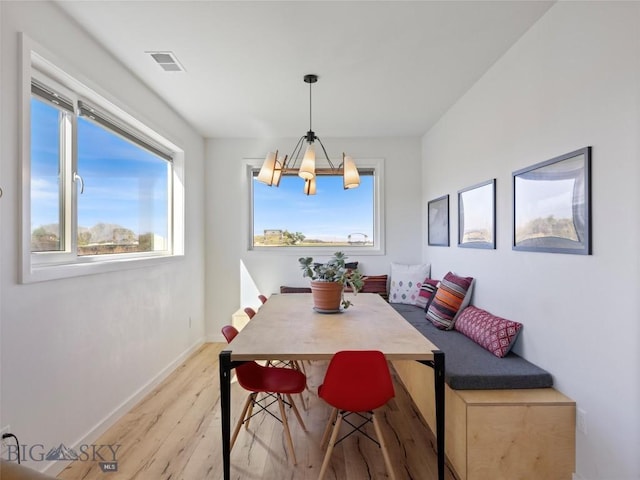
(552, 205)
(477, 216)
(438, 221)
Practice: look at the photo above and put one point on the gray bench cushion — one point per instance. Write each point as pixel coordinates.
(468, 366)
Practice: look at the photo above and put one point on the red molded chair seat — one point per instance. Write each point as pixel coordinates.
(356, 381)
(256, 378)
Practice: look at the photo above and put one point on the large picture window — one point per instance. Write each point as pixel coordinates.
(97, 188)
(333, 218)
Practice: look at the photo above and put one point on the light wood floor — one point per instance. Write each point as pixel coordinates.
(174, 433)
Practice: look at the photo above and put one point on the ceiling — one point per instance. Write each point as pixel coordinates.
(386, 68)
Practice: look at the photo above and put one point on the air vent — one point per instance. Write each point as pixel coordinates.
(167, 61)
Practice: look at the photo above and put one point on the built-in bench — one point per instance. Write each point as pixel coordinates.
(503, 419)
(471, 367)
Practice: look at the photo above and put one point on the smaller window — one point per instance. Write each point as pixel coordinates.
(285, 219)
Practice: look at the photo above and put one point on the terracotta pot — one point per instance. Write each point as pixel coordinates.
(326, 295)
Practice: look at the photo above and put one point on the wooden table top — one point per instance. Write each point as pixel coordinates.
(286, 327)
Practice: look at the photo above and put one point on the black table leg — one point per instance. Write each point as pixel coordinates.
(438, 376)
(225, 408)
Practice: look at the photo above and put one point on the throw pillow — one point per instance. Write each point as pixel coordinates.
(452, 296)
(493, 333)
(375, 284)
(285, 289)
(427, 290)
(406, 281)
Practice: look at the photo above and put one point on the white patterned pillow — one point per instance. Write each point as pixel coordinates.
(406, 281)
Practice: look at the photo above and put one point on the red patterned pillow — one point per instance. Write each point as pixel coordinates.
(493, 333)
(427, 290)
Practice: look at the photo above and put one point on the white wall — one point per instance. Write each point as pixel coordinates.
(74, 350)
(573, 80)
(226, 227)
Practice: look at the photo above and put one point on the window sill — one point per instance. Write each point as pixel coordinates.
(46, 272)
(317, 251)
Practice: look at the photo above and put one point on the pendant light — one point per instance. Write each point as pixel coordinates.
(274, 167)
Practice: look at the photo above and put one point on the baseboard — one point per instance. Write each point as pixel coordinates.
(215, 338)
(578, 477)
(55, 467)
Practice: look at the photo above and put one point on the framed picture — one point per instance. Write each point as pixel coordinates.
(552, 205)
(438, 220)
(477, 216)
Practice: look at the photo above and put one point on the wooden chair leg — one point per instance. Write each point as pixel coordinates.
(304, 405)
(250, 412)
(296, 365)
(300, 366)
(241, 419)
(297, 413)
(332, 442)
(383, 447)
(285, 424)
(327, 430)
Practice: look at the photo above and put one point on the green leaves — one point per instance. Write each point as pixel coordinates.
(333, 270)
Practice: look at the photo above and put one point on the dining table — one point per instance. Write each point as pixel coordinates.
(288, 327)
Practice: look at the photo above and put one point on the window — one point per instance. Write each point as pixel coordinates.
(124, 201)
(285, 219)
(101, 188)
(48, 126)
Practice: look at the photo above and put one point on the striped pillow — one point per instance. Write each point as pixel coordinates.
(425, 295)
(452, 296)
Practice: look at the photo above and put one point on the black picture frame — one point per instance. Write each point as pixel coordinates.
(438, 222)
(552, 205)
(477, 216)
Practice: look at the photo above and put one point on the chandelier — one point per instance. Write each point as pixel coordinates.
(275, 166)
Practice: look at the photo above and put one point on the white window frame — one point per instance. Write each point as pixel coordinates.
(37, 63)
(250, 165)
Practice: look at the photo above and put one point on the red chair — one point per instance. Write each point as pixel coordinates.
(355, 382)
(250, 312)
(275, 382)
(263, 299)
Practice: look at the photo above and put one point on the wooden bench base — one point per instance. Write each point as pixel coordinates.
(499, 434)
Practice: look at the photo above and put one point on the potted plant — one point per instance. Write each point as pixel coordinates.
(328, 281)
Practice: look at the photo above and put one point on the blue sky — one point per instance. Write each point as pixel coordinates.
(124, 183)
(331, 214)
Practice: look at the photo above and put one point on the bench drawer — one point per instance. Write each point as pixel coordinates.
(499, 434)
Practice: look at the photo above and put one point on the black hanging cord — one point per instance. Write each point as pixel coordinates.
(310, 136)
(310, 129)
(11, 435)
